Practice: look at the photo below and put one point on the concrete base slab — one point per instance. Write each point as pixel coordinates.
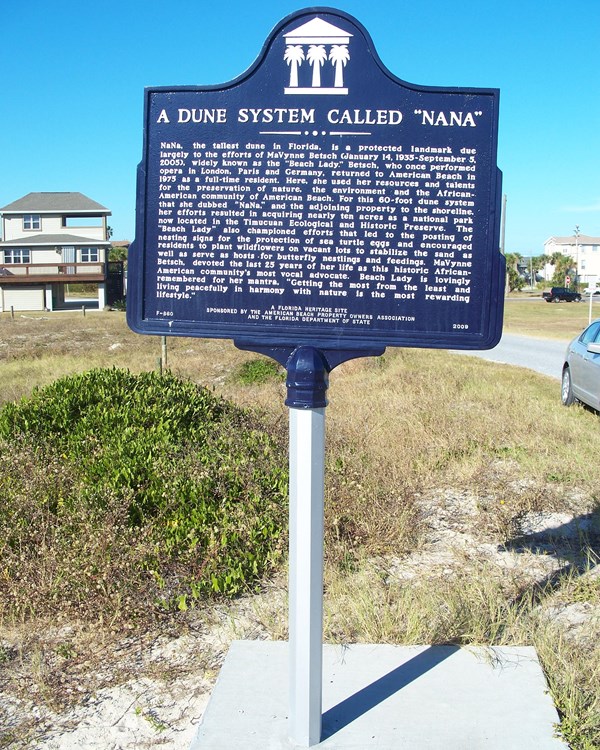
(386, 698)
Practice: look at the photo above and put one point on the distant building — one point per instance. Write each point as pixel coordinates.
(584, 250)
(51, 240)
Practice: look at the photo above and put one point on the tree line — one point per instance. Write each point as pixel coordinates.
(564, 265)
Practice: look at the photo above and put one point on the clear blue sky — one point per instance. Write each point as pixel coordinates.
(73, 75)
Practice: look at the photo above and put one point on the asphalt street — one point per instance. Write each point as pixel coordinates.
(542, 355)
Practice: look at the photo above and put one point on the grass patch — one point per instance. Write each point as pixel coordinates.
(546, 320)
(470, 607)
(448, 419)
(258, 372)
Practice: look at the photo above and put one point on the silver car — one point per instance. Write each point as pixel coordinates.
(581, 371)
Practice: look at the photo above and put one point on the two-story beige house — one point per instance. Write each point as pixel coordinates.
(584, 250)
(51, 240)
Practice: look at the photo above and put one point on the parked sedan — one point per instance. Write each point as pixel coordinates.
(581, 370)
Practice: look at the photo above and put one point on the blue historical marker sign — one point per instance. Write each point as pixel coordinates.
(319, 200)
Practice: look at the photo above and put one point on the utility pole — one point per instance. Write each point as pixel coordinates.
(577, 233)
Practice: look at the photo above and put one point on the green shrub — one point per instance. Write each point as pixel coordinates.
(258, 371)
(196, 486)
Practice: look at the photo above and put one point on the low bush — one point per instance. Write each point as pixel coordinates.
(258, 371)
(123, 490)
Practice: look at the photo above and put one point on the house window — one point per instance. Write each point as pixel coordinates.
(17, 255)
(89, 254)
(32, 221)
(81, 221)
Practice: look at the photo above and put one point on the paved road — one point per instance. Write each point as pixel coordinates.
(542, 355)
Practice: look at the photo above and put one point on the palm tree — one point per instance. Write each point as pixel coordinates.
(564, 265)
(339, 56)
(316, 56)
(512, 276)
(294, 54)
(538, 263)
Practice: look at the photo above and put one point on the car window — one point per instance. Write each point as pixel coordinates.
(590, 333)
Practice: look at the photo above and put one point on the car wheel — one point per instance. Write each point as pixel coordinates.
(566, 393)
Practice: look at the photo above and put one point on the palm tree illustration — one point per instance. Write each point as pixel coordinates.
(339, 56)
(316, 56)
(294, 54)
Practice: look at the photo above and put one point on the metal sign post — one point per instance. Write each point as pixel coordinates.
(307, 456)
(307, 385)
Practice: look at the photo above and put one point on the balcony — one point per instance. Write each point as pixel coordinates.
(42, 273)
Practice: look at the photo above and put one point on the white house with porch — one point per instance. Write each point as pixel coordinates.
(584, 250)
(50, 240)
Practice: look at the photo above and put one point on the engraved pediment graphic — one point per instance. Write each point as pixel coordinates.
(320, 49)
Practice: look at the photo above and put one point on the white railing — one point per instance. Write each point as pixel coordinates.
(55, 269)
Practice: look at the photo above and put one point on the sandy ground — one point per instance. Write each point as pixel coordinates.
(158, 704)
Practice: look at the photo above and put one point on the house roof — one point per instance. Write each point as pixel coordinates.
(583, 239)
(37, 240)
(51, 202)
